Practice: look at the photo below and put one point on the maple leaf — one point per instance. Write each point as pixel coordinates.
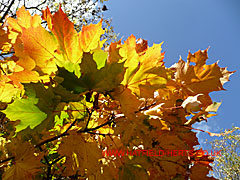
(24, 34)
(113, 52)
(67, 37)
(89, 37)
(15, 73)
(125, 85)
(26, 111)
(24, 20)
(48, 103)
(192, 104)
(42, 50)
(144, 67)
(41, 46)
(200, 78)
(103, 80)
(129, 102)
(82, 154)
(26, 162)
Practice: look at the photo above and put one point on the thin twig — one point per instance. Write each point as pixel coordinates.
(56, 160)
(95, 128)
(89, 117)
(51, 139)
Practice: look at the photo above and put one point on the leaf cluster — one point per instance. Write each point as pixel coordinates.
(65, 99)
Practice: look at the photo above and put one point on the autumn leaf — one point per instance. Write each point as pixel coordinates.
(114, 52)
(192, 104)
(82, 155)
(4, 41)
(89, 37)
(67, 37)
(7, 92)
(200, 171)
(24, 20)
(130, 104)
(103, 80)
(199, 78)
(26, 162)
(40, 45)
(213, 107)
(72, 98)
(143, 68)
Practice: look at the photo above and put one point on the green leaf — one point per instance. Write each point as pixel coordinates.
(26, 111)
(59, 119)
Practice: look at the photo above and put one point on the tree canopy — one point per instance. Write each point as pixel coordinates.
(227, 166)
(66, 100)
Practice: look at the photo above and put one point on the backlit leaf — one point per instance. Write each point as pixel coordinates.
(26, 111)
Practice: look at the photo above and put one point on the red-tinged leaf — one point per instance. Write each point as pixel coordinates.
(67, 37)
(141, 45)
(113, 52)
(24, 20)
(47, 16)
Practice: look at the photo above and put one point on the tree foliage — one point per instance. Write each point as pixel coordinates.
(65, 99)
(80, 12)
(227, 166)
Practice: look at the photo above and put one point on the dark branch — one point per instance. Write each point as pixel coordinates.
(5, 160)
(6, 12)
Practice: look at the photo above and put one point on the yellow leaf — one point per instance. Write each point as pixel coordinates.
(89, 36)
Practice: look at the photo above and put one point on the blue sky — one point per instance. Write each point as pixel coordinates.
(186, 25)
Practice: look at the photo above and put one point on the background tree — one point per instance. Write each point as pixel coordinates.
(227, 166)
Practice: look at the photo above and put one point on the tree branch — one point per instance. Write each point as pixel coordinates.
(6, 12)
(8, 159)
(56, 137)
